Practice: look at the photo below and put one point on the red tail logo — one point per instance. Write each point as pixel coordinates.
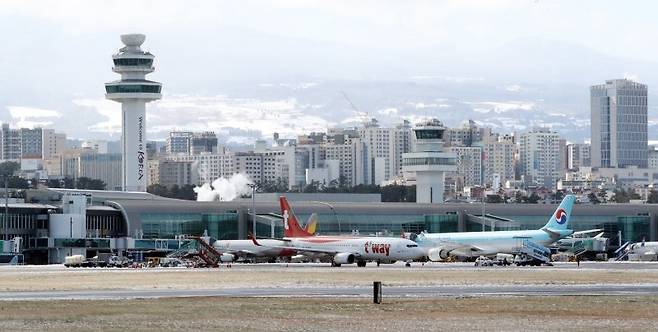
(291, 226)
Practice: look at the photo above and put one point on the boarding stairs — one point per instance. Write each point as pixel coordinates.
(622, 253)
(533, 250)
(185, 250)
(206, 251)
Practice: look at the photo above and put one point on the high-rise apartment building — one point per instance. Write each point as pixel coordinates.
(466, 135)
(619, 124)
(540, 157)
(187, 142)
(11, 143)
(385, 147)
(469, 166)
(179, 142)
(169, 173)
(52, 143)
(498, 159)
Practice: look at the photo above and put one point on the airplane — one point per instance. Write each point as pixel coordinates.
(440, 246)
(643, 247)
(232, 250)
(343, 249)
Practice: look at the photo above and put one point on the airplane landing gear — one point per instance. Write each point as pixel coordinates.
(361, 263)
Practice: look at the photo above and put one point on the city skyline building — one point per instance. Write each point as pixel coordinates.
(133, 91)
(540, 158)
(619, 124)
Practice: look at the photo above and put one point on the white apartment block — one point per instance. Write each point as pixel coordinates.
(53, 143)
(469, 166)
(540, 156)
(498, 159)
(385, 147)
(208, 166)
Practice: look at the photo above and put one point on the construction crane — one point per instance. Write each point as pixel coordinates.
(365, 118)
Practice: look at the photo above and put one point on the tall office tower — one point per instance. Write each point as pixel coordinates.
(428, 162)
(652, 158)
(133, 91)
(53, 143)
(540, 157)
(619, 124)
(578, 155)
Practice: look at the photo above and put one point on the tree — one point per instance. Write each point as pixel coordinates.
(60, 183)
(89, 184)
(621, 196)
(652, 198)
(593, 198)
(9, 168)
(494, 199)
(533, 199)
(158, 189)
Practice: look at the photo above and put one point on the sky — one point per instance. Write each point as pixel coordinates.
(247, 69)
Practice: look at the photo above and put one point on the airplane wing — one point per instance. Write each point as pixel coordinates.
(298, 249)
(580, 233)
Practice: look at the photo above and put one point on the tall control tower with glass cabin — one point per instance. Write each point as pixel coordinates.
(133, 91)
(427, 164)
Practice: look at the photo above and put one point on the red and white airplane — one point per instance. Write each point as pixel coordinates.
(343, 250)
(232, 250)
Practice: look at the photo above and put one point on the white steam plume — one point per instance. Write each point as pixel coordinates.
(224, 189)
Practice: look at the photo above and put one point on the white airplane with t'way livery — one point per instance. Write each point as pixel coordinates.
(343, 249)
(440, 246)
(233, 250)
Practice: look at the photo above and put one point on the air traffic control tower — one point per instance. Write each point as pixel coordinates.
(427, 164)
(133, 91)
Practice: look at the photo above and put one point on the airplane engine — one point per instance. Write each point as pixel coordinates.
(227, 258)
(438, 254)
(344, 258)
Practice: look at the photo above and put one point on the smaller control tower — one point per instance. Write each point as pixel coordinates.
(133, 91)
(428, 163)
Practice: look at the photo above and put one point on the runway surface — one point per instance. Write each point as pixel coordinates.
(424, 292)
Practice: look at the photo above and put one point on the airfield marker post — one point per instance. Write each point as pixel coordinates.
(377, 292)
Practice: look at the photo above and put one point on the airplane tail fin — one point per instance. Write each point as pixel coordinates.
(291, 226)
(560, 219)
(311, 224)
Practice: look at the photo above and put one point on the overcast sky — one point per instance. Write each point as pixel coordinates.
(56, 54)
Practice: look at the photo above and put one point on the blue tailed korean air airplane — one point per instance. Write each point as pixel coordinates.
(440, 246)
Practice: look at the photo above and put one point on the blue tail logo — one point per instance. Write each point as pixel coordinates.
(560, 219)
(561, 216)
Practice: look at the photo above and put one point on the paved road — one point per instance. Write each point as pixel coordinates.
(425, 292)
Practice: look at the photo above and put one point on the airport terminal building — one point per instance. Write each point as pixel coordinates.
(52, 224)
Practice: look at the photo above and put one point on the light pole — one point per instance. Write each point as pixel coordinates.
(253, 187)
(4, 222)
(332, 210)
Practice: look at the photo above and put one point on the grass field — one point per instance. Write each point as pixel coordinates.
(26, 279)
(340, 314)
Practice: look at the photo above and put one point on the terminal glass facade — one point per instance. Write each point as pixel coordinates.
(383, 224)
(222, 226)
